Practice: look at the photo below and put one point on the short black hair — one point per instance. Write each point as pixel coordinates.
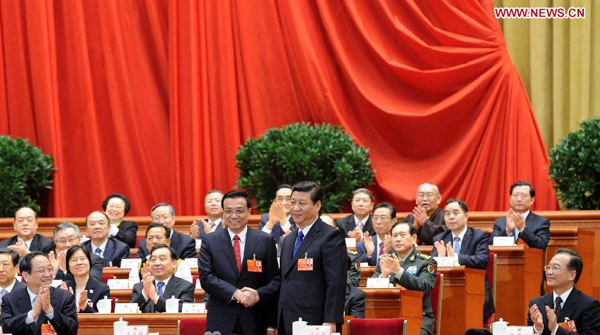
(74, 249)
(120, 196)
(158, 225)
(237, 194)
(25, 264)
(161, 204)
(523, 183)
(316, 192)
(461, 203)
(365, 191)
(171, 250)
(105, 215)
(411, 227)
(575, 261)
(283, 186)
(13, 255)
(387, 205)
(20, 208)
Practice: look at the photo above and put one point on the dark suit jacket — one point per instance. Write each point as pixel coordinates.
(180, 288)
(362, 252)
(96, 269)
(347, 225)
(277, 231)
(355, 302)
(184, 246)
(580, 307)
(18, 285)
(114, 253)
(221, 278)
(536, 233)
(474, 253)
(17, 304)
(95, 291)
(433, 226)
(38, 243)
(317, 296)
(127, 233)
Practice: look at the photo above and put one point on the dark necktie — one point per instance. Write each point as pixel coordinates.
(298, 242)
(557, 307)
(381, 245)
(98, 251)
(159, 289)
(236, 252)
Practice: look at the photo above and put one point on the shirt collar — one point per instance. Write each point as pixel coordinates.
(307, 228)
(242, 234)
(101, 246)
(563, 296)
(31, 295)
(461, 235)
(166, 281)
(9, 287)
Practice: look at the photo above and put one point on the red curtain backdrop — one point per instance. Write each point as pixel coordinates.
(154, 98)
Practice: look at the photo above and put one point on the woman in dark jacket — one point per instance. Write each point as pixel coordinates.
(116, 206)
(87, 290)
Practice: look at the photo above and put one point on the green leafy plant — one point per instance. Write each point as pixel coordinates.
(25, 174)
(322, 153)
(575, 167)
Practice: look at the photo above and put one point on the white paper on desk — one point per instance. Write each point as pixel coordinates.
(318, 330)
(378, 282)
(126, 308)
(519, 330)
(198, 285)
(350, 242)
(189, 307)
(130, 263)
(198, 243)
(444, 261)
(118, 284)
(136, 330)
(192, 262)
(503, 241)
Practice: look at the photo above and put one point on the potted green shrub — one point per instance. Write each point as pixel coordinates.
(575, 167)
(25, 173)
(322, 153)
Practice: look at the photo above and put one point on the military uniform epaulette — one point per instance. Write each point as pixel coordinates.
(424, 256)
(352, 252)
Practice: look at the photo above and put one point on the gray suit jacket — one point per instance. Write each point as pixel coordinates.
(177, 287)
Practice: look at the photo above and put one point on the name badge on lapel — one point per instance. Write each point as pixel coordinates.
(255, 265)
(569, 325)
(305, 264)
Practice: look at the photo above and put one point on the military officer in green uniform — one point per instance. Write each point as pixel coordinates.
(354, 270)
(407, 267)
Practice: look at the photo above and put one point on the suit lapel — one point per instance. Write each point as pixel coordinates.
(171, 288)
(109, 250)
(227, 248)
(288, 247)
(308, 239)
(35, 243)
(569, 305)
(249, 248)
(464, 244)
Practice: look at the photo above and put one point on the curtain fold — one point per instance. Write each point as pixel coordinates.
(154, 98)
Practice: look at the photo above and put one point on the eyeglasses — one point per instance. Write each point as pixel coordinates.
(72, 240)
(238, 212)
(381, 218)
(554, 267)
(6, 265)
(428, 195)
(42, 270)
(520, 195)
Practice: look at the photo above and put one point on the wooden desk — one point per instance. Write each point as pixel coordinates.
(165, 324)
(518, 278)
(124, 273)
(463, 296)
(384, 303)
(125, 294)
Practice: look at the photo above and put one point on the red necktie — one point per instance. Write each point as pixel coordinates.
(236, 252)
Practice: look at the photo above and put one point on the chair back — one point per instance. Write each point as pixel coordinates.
(397, 326)
(191, 326)
(491, 278)
(105, 278)
(138, 240)
(195, 279)
(436, 302)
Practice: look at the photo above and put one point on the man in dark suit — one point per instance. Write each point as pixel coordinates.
(355, 302)
(212, 207)
(25, 310)
(566, 310)
(520, 222)
(159, 283)
(27, 239)
(238, 269)
(468, 246)
(8, 270)
(66, 235)
(116, 207)
(358, 223)
(372, 247)
(184, 246)
(278, 222)
(410, 269)
(427, 217)
(110, 249)
(313, 265)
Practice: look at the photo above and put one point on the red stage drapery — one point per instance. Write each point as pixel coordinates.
(154, 98)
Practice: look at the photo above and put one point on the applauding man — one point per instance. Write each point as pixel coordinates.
(212, 207)
(427, 217)
(238, 269)
(158, 283)
(27, 238)
(371, 248)
(279, 222)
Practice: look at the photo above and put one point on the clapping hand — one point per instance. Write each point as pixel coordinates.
(369, 245)
(20, 247)
(440, 246)
(420, 215)
(389, 264)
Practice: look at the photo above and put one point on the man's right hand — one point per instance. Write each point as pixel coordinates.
(369, 245)
(440, 247)
(37, 305)
(420, 215)
(276, 214)
(510, 223)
